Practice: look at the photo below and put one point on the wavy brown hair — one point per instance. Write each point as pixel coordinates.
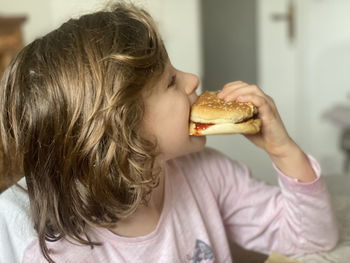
(71, 103)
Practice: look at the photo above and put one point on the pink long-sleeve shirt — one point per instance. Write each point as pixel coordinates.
(208, 200)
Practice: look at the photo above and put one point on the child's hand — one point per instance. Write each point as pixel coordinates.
(273, 137)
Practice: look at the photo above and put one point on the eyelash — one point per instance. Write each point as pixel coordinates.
(172, 81)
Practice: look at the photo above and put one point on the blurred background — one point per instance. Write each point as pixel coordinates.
(297, 51)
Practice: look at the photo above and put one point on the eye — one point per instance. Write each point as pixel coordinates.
(172, 81)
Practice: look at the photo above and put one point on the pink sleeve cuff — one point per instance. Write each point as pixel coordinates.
(295, 184)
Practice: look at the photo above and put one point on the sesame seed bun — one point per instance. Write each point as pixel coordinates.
(211, 115)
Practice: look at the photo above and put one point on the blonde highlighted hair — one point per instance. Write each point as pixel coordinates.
(71, 104)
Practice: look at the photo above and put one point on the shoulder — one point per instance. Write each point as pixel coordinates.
(62, 250)
(16, 228)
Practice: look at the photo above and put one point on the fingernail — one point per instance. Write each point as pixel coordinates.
(240, 98)
(220, 95)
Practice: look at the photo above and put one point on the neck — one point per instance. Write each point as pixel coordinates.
(145, 219)
(157, 195)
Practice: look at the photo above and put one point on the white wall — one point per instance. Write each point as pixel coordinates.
(38, 14)
(310, 75)
(62, 10)
(178, 22)
(45, 15)
(276, 72)
(324, 57)
(182, 34)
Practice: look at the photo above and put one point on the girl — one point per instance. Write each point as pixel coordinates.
(99, 119)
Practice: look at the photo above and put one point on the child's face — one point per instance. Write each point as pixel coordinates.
(167, 112)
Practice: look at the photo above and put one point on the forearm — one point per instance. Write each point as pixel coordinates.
(309, 220)
(295, 164)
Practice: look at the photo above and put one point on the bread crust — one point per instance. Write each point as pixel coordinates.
(216, 116)
(252, 126)
(210, 109)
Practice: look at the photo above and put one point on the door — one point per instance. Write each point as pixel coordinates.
(304, 62)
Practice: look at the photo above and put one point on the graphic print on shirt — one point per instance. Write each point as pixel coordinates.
(202, 253)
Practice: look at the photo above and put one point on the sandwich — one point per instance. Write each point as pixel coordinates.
(211, 115)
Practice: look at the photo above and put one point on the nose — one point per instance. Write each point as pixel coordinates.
(192, 83)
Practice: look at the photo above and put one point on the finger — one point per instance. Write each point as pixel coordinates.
(271, 102)
(241, 91)
(238, 82)
(231, 86)
(266, 111)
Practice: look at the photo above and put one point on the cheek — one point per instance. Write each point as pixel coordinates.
(167, 120)
(172, 132)
(175, 115)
